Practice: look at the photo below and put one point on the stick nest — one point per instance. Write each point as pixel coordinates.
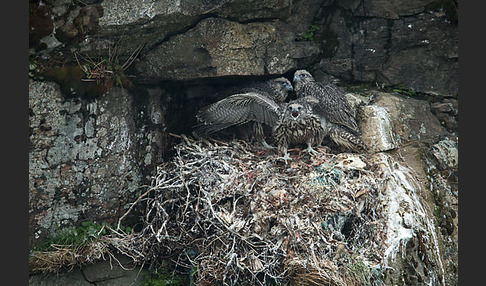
(238, 217)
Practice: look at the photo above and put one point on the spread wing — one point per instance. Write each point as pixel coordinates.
(237, 109)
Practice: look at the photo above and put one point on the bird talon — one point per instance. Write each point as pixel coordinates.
(268, 146)
(285, 158)
(311, 150)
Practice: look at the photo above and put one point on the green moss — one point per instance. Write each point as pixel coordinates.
(310, 32)
(163, 278)
(403, 91)
(76, 236)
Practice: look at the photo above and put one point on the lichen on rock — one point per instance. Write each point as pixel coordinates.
(84, 157)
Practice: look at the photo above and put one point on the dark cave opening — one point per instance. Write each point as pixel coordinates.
(181, 100)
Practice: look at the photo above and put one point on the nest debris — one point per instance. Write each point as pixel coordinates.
(235, 216)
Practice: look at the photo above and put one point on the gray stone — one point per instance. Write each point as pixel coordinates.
(72, 278)
(218, 47)
(421, 195)
(412, 251)
(441, 166)
(385, 8)
(391, 121)
(375, 41)
(87, 160)
(446, 153)
(115, 271)
(388, 48)
(119, 13)
(446, 112)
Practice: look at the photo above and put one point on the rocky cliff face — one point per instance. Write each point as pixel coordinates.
(89, 158)
(379, 42)
(94, 145)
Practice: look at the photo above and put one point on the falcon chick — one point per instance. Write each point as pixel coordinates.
(333, 109)
(255, 104)
(298, 124)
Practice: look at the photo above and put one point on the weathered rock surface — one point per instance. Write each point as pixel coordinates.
(88, 159)
(119, 272)
(103, 273)
(89, 155)
(217, 47)
(379, 42)
(74, 278)
(413, 253)
(391, 43)
(419, 154)
(391, 121)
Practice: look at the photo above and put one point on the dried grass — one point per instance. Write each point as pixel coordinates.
(66, 257)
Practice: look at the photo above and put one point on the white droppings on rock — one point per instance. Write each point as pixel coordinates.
(406, 215)
(381, 137)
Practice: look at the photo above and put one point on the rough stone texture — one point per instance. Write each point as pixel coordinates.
(217, 47)
(441, 162)
(88, 158)
(103, 273)
(446, 112)
(391, 121)
(412, 255)
(391, 43)
(374, 41)
(427, 242)
(130, 11)
(73, 278)
(384, 8)
(419, 153)
(110, 273)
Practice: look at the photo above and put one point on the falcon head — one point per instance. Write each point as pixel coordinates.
(282, 86)
(295, 110)
(301, 77)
